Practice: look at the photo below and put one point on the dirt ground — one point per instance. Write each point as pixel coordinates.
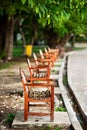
(11, 94)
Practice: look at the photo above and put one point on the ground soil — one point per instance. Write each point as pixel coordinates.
(11, 93)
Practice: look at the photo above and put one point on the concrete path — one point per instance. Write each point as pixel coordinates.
(77, 78)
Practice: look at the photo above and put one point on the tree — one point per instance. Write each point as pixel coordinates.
(68, 18)
(60, 18)
(10, 12)
(8, 16)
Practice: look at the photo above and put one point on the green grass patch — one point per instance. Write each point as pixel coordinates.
(10, 117)
(79, 48)
(4, 65)
(57, 65)
(65, 80)
(62, 109)
(19, 50)
(53, 70)
(37, 48)
(58, 128)
(46, 128)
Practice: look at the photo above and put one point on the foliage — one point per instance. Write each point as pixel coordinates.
(61, 17)
(18, 50)
(79, 48)
(64, 16)
(57, 65)
(80, 39)
(60, 109)
(37, 48)
(2, 55)
(10, 117)
(58, 128)
(4, 65)
(65, 80)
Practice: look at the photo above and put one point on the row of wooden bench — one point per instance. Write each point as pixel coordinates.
(38, 87)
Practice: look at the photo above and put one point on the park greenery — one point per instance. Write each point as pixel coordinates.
(54, 21)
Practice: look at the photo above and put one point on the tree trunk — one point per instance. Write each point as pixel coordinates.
(72, 40)
(23, 37)
(34, 37)
(2, 32)
(51, 37)
(64, 40)
(9, 38)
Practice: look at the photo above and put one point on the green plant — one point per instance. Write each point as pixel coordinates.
(60, 109)
(79, 48)
(10, 117)
(2, 55)
(53, 70)
(65, 82)
(4, 65)
(48, 128)
(18, 51)
(57, 65)
(58, 128)
(52, 128)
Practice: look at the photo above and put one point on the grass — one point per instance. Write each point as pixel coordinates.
(10, 117)
(62, 109)
(65, 80)
(57, 65)
(79, 48)
(53, 71)
(58, 128)
(46, 128)
(5, 65)
(37, 48)
(19, 51)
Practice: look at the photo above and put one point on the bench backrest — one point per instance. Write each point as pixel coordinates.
(23, 78)
(35, 58)
(41, 54)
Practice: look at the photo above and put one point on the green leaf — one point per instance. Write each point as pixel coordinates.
(40, 14)
(70, 1)
(55, 17)
(31, 3)
(49, 21)
(42, 9)
(23, 1)
(37, 9)
(60, 109)
(82, 15)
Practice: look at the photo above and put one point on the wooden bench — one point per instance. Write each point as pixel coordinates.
(52, 52)
(41, 61)
(44, 97)
(46, 57)
(36, 73)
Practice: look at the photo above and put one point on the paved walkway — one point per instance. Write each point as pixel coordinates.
(77, 78)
